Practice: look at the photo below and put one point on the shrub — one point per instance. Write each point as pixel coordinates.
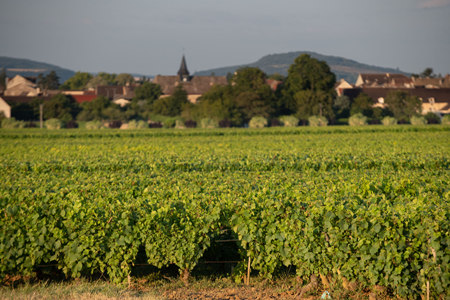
(357, 120)
(53, 124)
(12, 123)
(208, 123)
(289, 121)
(446, 120)
(164, 121)
(389, 121)
(190, 124)
(316, 121)
(169, 123)
(432, 118)
(258, 122)
(133, 124)
(179, 124)
(94, 125)
(418, 120)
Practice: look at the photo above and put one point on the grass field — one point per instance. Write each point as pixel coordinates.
(365, 207)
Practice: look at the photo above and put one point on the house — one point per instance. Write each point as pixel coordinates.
(341, 86)
(433, 100)
(119, 94)
(195, 86)
(432, 83)
(384, 80)
(21, 86)
(5, 108)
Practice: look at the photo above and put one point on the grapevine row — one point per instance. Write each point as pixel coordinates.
(377, 214)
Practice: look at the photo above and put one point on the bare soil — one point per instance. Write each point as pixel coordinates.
(240, 293)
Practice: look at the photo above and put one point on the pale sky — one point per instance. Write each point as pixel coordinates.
(150, 36)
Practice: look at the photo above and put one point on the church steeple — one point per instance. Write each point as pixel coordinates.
(183, 71)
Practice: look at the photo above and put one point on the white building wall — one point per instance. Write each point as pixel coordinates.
(5, 108)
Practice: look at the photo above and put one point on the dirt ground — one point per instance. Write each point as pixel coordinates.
(172, 288)
(241, 293)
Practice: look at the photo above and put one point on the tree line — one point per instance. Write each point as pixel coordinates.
(306, 92)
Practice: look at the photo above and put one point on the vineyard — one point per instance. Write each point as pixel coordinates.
(369, 206)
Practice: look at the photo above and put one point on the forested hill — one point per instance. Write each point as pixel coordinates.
(26, 67)
(279, 63)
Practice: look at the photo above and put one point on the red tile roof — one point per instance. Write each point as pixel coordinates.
(84, 98)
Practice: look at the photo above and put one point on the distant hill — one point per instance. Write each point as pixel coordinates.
(31, 68)
(279, 63)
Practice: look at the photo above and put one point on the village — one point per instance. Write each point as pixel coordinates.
(175, 100)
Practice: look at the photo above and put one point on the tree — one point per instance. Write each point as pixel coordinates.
(252, 94)
(124, 79)
(96, 81)
(100, 109)
(77, 81)
(148, 91)
(3, 79)
(307, 73)
(362, 104)
(172, 105)
(218, 104)
(313, 103)
(277, 76)
(23, 111)
(428, 72)
(48, 82)
(341, 106)
(136, 110)
(102, 78)
(246, 96)
(248, 78)
(403, 105)
(109, 78)
(255, 103)
(60, 107)
(309, 82)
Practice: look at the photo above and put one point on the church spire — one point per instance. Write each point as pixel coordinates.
(183, 71)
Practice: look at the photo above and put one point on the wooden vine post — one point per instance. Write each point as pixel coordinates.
(248, 272)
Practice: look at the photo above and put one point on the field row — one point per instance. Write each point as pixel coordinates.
(367, 207)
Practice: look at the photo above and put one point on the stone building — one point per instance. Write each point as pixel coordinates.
(21, 86)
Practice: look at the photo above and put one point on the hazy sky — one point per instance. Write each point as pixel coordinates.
(149, 36)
